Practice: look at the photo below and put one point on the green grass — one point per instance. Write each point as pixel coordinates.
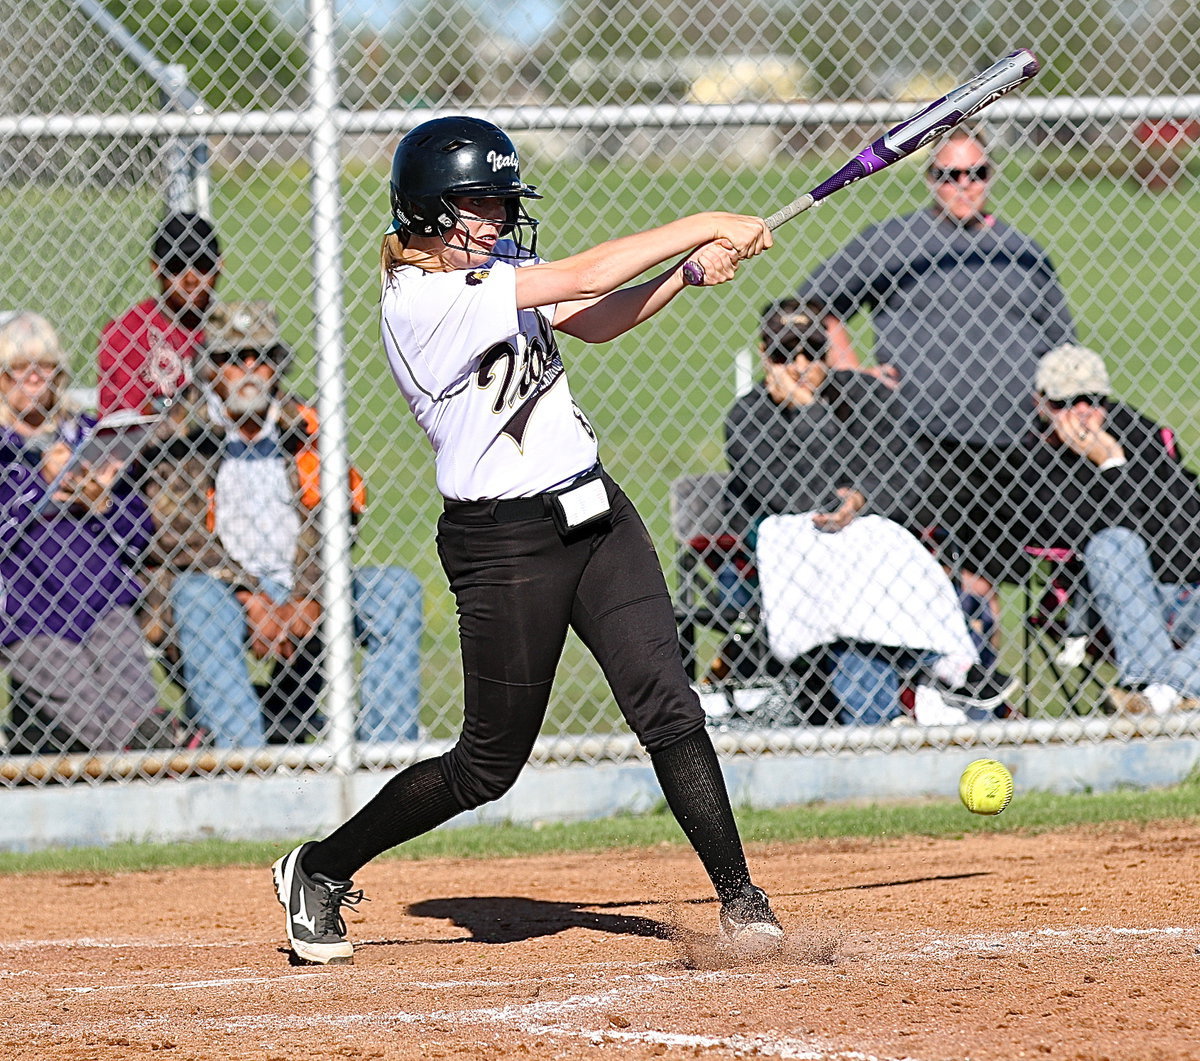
(658, 396)
(1032, 812)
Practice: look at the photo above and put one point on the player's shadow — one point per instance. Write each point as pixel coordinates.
(512, 918)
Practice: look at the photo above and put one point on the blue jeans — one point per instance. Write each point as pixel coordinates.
(735, 590)
(210, 629)
(866, 681)
(1145, 618)
(981, 625)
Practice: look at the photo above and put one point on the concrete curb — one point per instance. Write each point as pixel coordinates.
(285, 806)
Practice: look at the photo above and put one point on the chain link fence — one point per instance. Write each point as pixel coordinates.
(265, 598)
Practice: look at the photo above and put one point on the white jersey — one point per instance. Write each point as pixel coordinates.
(485, 381)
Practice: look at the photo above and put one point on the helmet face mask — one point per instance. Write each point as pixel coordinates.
(518, 226)
(447, 158)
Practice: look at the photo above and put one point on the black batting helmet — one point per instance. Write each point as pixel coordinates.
(448, 157)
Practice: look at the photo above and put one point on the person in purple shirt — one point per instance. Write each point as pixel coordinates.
(70, 533)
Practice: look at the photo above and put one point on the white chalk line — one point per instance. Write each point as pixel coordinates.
(186, 985)
(940, 947)
(290, 977)
(1043, 939)
(967, 942)
(284, 978)
(552, 1018)
(562, 1018)
(557, 1019)
(130, 943)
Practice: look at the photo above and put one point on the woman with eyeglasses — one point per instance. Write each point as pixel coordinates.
(69, 638)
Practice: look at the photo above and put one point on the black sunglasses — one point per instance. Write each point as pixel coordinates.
(1096, 401)
(979, 174)
(781, 356)
(227, 357)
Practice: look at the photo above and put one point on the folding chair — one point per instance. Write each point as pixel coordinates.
(704, 549)
(1061, 624)
(756, 688)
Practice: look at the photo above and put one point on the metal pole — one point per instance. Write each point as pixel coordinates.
(338, 624)
(179, 185)
(188, 186)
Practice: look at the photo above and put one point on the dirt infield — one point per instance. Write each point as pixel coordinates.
(1081, 945)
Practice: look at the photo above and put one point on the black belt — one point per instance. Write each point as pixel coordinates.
(516, 509)
(509, 509)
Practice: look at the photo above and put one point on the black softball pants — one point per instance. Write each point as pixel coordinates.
(519, 587)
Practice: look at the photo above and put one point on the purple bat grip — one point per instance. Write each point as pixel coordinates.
(693, 274)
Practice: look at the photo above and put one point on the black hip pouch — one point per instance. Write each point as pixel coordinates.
(581, 504)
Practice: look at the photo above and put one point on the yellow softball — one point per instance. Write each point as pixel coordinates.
(986, 787)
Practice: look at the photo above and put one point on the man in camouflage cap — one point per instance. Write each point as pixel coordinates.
(236, 492)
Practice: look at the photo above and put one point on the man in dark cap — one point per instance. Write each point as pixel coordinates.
(146, 355)
(811, 439)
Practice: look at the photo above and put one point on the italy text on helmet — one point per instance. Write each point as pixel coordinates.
(500, 161)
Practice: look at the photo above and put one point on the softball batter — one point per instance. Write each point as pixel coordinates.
(535, 536)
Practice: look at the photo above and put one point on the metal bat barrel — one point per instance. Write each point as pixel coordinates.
(953, 108)
(937, 118)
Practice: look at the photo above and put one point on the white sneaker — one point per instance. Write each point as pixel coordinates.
(1072, 653)
(929, 709)
(749, 926)
(1162, 698)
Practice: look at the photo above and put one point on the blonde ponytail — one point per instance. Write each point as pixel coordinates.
(393, 253)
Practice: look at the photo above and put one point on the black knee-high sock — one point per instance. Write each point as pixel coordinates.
(691, 779)
(411, 803)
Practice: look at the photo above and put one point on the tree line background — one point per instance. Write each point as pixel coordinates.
(250, 54)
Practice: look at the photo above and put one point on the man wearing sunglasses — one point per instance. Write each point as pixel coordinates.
(237, 562)
(961, 305)
(1097, 477)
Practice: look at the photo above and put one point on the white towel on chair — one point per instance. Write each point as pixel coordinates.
(871, 582)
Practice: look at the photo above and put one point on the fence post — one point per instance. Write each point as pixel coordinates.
(338, 624)
(187, 158)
